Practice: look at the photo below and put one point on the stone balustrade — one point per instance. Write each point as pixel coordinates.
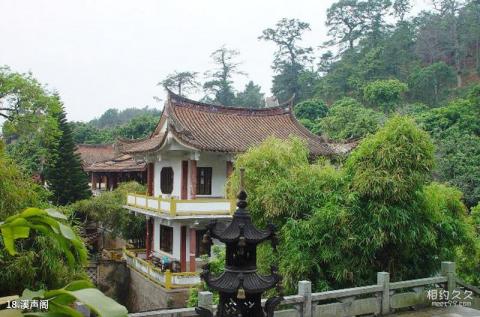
(382, 298)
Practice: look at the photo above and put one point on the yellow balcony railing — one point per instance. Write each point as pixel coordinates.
(182, 207)
(166, 279)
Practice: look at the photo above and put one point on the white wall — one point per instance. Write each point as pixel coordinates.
(176, 238)
(176, 165)
(174, 160)
(218, 163)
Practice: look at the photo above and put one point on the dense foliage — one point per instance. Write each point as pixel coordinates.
(456, 131)
(379, 212)
(27, 110)
(41, 262)
(347, 119)
(107, 209)
(49, 223)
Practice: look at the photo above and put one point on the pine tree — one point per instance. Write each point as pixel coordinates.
(64, 174)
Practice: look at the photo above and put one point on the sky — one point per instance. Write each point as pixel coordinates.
(101, 54)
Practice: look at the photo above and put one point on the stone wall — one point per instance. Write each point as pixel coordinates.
(145, 295)
(113, 278)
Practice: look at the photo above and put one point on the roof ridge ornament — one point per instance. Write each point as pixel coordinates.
(242, 194)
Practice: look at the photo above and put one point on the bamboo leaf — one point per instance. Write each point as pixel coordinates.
(80, 284)
(8, 240)
(67, 232)
(94, 300)
(55, 214)
(28, 294)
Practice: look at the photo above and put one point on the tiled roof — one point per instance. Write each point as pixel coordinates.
(141, 145)
(92, 153)
(124, 163)
(215, 128)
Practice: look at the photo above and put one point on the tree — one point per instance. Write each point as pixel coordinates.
(272, 158)
(349, 120)
(64, 174)
(374, 13)
(401, 9)
(87, 133)
(379, 212)
(128, 123)
(456, 130)
(458, 163)
(107, 209)
(309, 111)
(251, 97)
(375, 165)
(28, 110)
(220, 83)
(431, 84)
(23, 100)
(290, 58)
(345, 22)
(469, 31)
(398, 54)
(385, 95)
(114, 117)
(138, 127)
(182, 82)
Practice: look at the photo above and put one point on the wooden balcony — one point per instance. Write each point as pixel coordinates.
(180, 207)
(166, 278)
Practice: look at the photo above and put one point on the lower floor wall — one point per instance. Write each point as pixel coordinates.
(112, 279)
(145, 295)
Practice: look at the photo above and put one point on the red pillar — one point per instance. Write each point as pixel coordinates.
(183, 249)
(114, 180)
(94, 181)
(229, 168)
(184, 185)
(148, 240)
(193, 244)
(193, 179)
(150, 174)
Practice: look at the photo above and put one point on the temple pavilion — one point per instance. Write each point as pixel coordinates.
(189, 157)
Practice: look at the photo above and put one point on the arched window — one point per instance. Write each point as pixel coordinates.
(166, 180)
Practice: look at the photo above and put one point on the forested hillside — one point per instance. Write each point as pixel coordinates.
(436, 53)
(387, 62)
(113, 123)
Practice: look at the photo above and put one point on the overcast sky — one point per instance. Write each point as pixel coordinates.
(100, 54)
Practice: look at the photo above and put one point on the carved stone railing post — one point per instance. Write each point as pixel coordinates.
(448, 270)
(383, 278)
(205, 300)
(305, 290)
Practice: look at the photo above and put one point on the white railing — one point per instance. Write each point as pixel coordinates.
(382, 298)
(182, 207)
(167, 279)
